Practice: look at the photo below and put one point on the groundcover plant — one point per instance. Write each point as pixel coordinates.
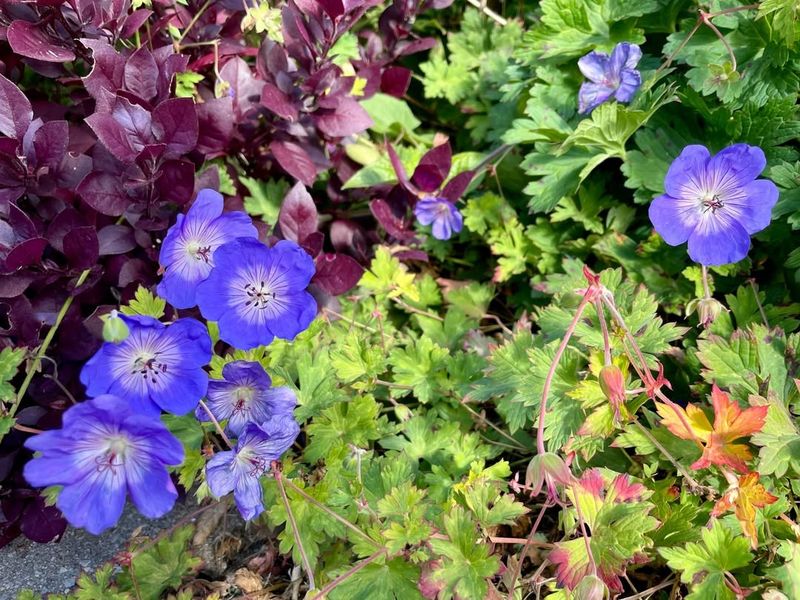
(445, 300)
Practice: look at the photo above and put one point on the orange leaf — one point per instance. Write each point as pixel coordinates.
(730, 424)
(744, 500)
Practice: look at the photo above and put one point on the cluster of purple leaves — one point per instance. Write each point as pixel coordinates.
(98, 156)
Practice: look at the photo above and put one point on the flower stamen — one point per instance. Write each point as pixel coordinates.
(260, 296)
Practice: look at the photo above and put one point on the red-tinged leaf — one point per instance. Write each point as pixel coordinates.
(334, 8)
(298, 217)
(395, 81)
(113, 136)
(176, 181)
(104, 193)
(25, 254)
(175, 124)
(457, 185)
(32, 41)
(733, 422)
(216, 123)
(313, 243)
(399, 169)
(245, 89)
(394, 225)
(141, 74)
(42, 523)
(744, 498)
(81, 247)
(294, 159)
(115, 239)
(337, 273)
(134, 22)
(108, 69)
(15, 110)
(433, 168)
(347, 118)
(50, 143)
(688, 424)
(278, 102)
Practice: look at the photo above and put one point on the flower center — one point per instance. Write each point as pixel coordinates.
(113, 455)
(711, 202)
(258, 295)
(199, 252)
(243, 396)
(254, 463)
(149, 367)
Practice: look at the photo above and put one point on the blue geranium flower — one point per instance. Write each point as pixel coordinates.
(258, 293)
(245, 396)
(187, 254)
(104, 451)
(441, 214)
(608, 76)
(156, 367)
(715, 203)
(239, 470)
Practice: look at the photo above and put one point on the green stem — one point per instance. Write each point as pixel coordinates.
(48, 339)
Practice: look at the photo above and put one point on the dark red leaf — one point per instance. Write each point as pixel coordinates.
(141, 74)
(25, 254)
(175, 124)
(104, 193)
(134, 22)
(50, 143)
(216, 123)
(313, 243)
(245, 89)
(108, 70)
(115, 239)
(457, 185)
(334, 8)
(113, 136)
(398, 167)
(433, 168)
(337, 273)
(294, 159)
(346, 119)
(29, 40)
(394, 225)
(176, 182)
(298, 217)
(15, 110)
(278, 102)
(42, 523)
(395, 81)
(81, 247)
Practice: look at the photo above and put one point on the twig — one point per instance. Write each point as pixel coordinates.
(332, 514)
(350, 572)
(489, 13)
(528, 544)
(349, 320)
(295, 531)
(540, 447)
(391, 384)
(686, 475)
(706, 18)
(483, 419)
(585, 535)
(216, 424)
(704, 277)
(650, 591)
(758, 303)
(522, 541)
(27, 429)
(598, 305)
(415, 310)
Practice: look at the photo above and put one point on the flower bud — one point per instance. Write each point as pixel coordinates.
(591, 587)
(707, 309)
(114, 329)
(546, 468)
(612, 383)
(402, 412)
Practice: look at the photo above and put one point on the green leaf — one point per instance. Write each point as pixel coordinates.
(394, 580)
(390, 115)
(421, 366)
(465, 562)
(10, 360)
(265, 197)
(347, 423)
(186, 84)
(186, 428)
(145, 303)
(788, 575)
(703, 565)
(161, 567)
(99, 587)
(780, 443)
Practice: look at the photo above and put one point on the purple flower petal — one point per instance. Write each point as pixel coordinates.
(718, 240)
(734, 167)
(592, 95)
(755, 208)
(686, 172)
(151, 489)
(94, 502)
(624, 56)
(219, 473)
(629, 84)
(674, 218)
(594, 66)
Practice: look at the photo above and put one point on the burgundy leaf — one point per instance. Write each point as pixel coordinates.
(278, 102)
(81, 247)
(25, 254)
(393, 224)
(115, 239)
(245, 89)
(112, 135)
(399, 169)
(134, 22)
(457, 185)
(298, 217)
(395, 81)
(135, 120)
(176, 182)
(313, 243)
(175, 124)
(294, 159)
(29, 40)
(42, 523)
(64, 222)
(141, 74)
(50, 143)
(411, 255)
(337, 273)
(108, 70)
(346, 119)
(104, 193)
(433, 168)
(334, 8)
(348, 237)
(216, 123)
(15, 110)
